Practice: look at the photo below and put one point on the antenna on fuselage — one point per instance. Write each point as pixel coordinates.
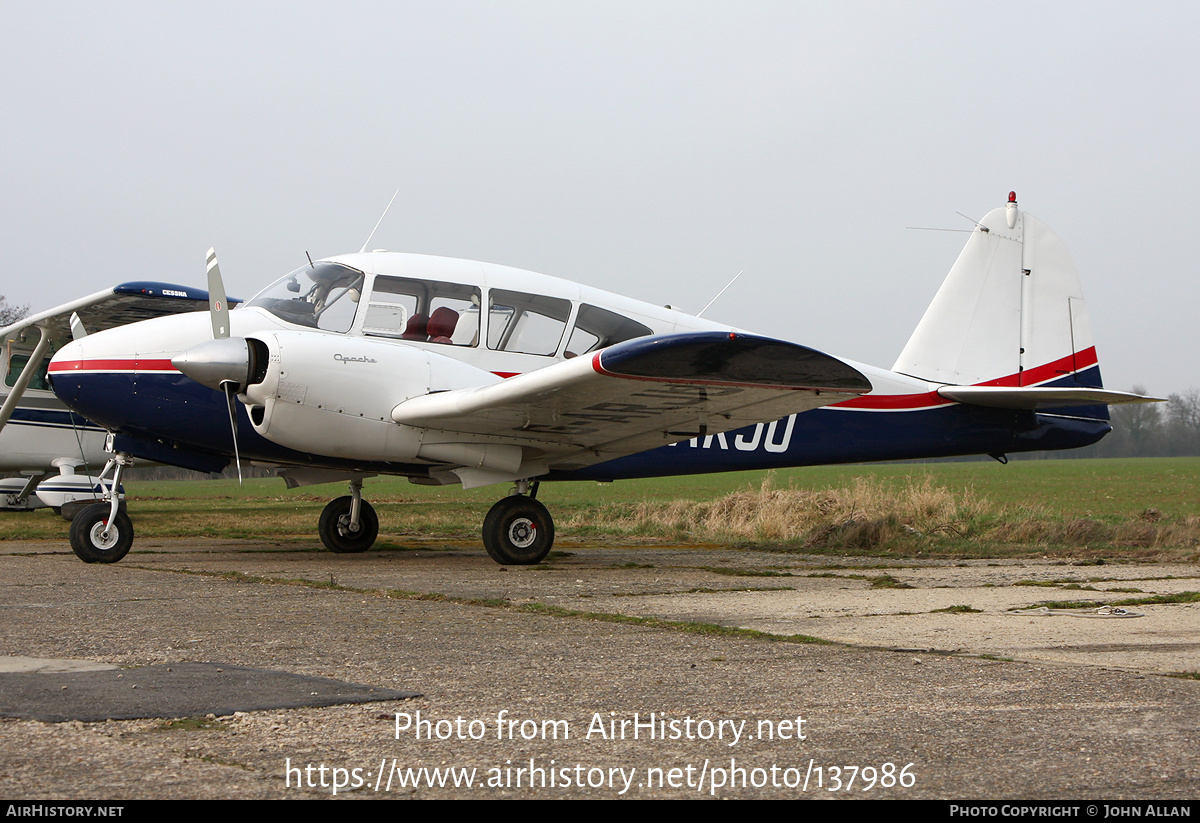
(935, 228)
(978, 225)
(372, 234)
(722, 291)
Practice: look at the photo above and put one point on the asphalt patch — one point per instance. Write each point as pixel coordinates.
(175, 690)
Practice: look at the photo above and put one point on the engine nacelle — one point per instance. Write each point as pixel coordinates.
(333, 396)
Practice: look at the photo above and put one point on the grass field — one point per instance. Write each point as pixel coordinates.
(1134, 508)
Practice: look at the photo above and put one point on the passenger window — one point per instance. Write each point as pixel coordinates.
(424, 311)
(526, 323)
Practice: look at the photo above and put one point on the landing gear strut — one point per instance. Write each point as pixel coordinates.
(518, 531)
(349, 524)
(102, 533)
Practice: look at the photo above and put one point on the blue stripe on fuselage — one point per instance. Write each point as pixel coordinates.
(51, 418)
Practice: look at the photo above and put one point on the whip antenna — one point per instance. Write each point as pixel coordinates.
(722, 291)
(372, 234)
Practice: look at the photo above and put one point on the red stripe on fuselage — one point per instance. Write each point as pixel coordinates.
(1062, 367)
(894, 402)
(124, 365)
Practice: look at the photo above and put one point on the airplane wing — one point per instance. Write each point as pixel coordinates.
(125, 303)
(638, 395)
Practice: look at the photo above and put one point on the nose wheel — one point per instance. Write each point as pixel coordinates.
(98, 538)
(518, 531)
(101, 532)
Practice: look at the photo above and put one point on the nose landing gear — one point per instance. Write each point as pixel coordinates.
(102, 532)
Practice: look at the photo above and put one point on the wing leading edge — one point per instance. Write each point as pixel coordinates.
(639, 395)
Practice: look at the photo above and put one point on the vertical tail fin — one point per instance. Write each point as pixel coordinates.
(1010, 313)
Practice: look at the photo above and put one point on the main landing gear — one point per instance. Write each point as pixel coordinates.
(101, 532)
(349, 524)
(518, 531)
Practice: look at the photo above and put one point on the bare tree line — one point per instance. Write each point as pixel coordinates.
(1170, 429)
(11, 314)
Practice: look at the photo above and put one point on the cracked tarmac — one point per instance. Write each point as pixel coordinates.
(983, 703)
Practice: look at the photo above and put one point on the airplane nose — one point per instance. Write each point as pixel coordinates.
(225, 360)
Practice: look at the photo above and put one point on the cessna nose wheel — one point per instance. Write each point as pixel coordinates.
(518, 531)
(96, 537)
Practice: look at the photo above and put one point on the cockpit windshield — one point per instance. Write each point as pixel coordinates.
(321, 295)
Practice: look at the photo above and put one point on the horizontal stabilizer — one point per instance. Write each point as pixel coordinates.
(1024, 397)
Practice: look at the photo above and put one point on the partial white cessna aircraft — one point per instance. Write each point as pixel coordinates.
(454, 371)
(40, 439)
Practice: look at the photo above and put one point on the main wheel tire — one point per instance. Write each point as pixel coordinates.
(95, 540)
(335, 531)
(518, 531)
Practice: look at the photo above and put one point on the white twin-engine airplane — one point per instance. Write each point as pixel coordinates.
(454, 371)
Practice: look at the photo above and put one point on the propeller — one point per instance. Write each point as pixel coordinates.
(224, 362)
(218, 307)
(230, 396)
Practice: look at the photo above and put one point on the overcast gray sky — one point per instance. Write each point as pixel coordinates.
(651, 148)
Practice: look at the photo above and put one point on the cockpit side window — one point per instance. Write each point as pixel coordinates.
(596, 328)
(526, 323)
(425, 311)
